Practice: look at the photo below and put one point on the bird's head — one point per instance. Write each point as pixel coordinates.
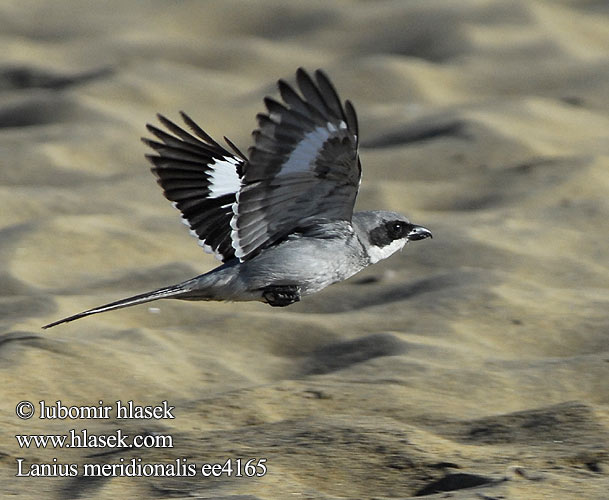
(384, 233)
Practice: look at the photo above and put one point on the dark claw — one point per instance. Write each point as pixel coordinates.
(281, 295)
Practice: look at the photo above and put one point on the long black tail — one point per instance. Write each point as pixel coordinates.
(161, 293)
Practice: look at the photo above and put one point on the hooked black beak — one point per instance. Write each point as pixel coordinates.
(419, 233)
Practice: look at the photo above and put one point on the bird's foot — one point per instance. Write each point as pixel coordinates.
(281, 295)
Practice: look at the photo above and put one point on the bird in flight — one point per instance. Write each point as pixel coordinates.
(281, 217)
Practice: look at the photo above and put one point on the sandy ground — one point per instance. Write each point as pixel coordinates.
(474, 365)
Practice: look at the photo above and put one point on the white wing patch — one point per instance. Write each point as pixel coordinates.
(304, 154)
(223, 177)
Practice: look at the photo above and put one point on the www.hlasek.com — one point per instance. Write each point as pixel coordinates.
(83, 439)
(133, 467)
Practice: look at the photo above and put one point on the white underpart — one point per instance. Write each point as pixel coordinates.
(304, 154)
(223, 177)
(379, 253)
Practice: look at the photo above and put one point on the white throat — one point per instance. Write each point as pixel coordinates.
(379, 253)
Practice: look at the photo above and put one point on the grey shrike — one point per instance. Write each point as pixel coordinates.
(281, 217)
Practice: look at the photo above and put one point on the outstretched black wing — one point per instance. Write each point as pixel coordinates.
(303, 167)
(201, 178)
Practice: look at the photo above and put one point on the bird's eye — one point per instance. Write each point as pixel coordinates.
(396, 229)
